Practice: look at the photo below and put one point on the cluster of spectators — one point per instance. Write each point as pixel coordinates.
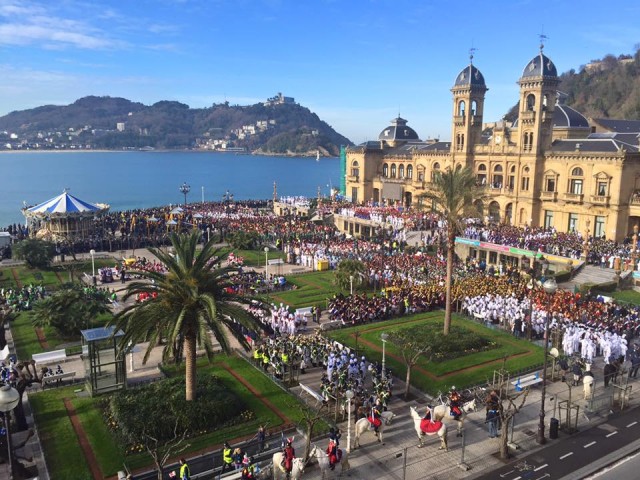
(21, 299)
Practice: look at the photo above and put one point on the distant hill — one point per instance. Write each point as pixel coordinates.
(277, 126)
(603, 88)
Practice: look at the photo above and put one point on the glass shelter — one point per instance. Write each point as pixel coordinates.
(103, 363)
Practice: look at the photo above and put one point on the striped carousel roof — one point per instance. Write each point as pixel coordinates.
(64, 204)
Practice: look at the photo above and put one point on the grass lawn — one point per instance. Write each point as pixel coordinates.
(253, 258)
(630, 296)
(462, 371)
(313, 288)
(60, 442)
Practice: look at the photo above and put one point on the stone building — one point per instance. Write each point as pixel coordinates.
(551, 167)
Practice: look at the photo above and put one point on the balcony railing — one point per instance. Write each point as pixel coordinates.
(549, 196)
(393, 180)
(353, 178)
(527, 116)
(458, 120)
(574, 197)
(600, 199)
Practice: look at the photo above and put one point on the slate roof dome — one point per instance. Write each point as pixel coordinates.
(565, 116)
(540, 66)
(398, 131)
(470, 76)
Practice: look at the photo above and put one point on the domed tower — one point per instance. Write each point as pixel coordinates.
(538, 94)
(468, 105)
(397, 133)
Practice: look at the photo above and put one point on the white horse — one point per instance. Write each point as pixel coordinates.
(442, 432)
(280, 473)
(363, 425)
(323, 461)
(443, 412)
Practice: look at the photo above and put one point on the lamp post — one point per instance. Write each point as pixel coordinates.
(351, 284)
(349, 395)
(585, 251)
(92, 252)
(550, 286)
(9, 399)
(384, 338)
(266, 263)
(202, 194)
(634, 251)
(184, 188)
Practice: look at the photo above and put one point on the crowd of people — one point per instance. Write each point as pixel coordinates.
(21, 299)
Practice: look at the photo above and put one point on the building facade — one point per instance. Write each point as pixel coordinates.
(552, 167)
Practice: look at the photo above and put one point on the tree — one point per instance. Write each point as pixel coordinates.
(185, 305)
(70, 309)
(412, 349)
(35, 253)
(346, 270)
(452, 194)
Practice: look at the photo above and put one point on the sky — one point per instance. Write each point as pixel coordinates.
(356, 63)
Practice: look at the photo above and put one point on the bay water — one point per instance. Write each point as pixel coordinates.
(128, 180)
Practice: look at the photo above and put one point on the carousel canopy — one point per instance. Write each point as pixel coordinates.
(64, 204)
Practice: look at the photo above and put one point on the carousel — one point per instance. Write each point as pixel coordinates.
(63, 217)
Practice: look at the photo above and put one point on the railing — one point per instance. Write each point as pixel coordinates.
(393, 180)
(574, 197)
(600, 199)
(527, 116)
(552, 196)
(458, 120)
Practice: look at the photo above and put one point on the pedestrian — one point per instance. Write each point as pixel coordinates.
(577, 373)
(185, 473)
(634, 358)
(261, 438)
(563, 365)
(227, 459)
(493, 406)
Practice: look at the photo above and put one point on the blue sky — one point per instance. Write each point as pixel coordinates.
(356, 63)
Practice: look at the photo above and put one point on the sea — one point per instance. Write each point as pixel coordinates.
(133, 179)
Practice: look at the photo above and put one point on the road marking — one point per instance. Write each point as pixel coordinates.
(589, 444)
(566, 455)
(505, 474)
(540, 467)
(543, 476)
(631, 424)
(611, 434)
(517, 478)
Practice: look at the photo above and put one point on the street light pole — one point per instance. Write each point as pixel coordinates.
(349, 395)
(550, 286)
(384, 338)
(92, 252)
(184, 188)
(351, 284)
(9, 399)
(202, 194)
(266, 263)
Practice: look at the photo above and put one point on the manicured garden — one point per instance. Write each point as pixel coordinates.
(61, 444)
(431, 376)
(312, 289)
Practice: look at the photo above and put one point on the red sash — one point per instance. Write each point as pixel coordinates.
(376, 422)
(428, 427)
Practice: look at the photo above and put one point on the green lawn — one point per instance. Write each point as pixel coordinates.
(60, 443)
(630, 296)
(313, 288)
(449, 372)
(253, 258)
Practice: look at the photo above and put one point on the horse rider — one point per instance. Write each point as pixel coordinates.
(454, 403)
(335, 434)
(428, 413)
(374, 418)
(334, 453)
(288, 456)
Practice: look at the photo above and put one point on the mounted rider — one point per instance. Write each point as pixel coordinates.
(288, 455)
(374, 417)
(334, 453)
(455, 401)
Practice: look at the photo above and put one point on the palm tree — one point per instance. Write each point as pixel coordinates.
(452, 194)
(349, 271)
(192, 301)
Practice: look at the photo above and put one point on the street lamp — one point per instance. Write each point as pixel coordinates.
(266, 263)
(184, 188)
(9, 399)
(92, 252)
(550, 286)
(349, 395)
(384, 338)
(351, 284)
(634, 250)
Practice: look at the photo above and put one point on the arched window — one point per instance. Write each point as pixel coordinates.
(393, 170)
(435, 170)
(409, 171)
(482, 174)
(511, 181)
(528, 141)
(576, 181)
(545, 102)
(498, 179)
(497, 168)
(531, 102)
(385, 170)
(524, 184)
(460, 142)
(482, 167)
(461, 108)
(355, 171)
(401, 171)
(474, 107)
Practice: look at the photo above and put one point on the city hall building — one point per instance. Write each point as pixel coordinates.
(552, 167)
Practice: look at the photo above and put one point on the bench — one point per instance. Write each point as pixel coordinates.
(53, 356)
(528, 381)
(312, 392)
(57, 378)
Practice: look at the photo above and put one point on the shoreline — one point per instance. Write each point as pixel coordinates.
(255, 154)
